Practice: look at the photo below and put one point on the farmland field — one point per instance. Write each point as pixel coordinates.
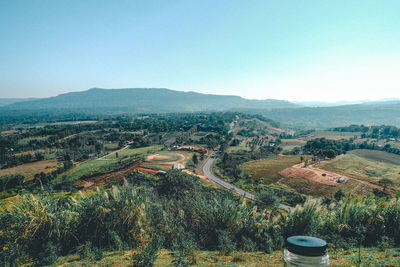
(306, 187)
(363, 169)
(375, 155)
(128, 152)
(30, 169)
(334, 135)
(290, 144)
(110, 163)
(268, 169)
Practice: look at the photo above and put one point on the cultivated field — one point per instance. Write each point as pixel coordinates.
(362, 169)
(268, 169)
(30, 169)
(109, 164)
(111, 178)
(287, 171)
(379, 156)
(312, 174)
(332, 135)
(290, 144)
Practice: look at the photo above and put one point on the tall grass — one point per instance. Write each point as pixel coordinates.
(180, 214)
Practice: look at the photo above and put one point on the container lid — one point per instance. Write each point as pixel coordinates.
(306, 245)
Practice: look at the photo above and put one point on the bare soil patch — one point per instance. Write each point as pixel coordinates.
(315, 175)
(167, 160)
(112, 177)
(312, 174)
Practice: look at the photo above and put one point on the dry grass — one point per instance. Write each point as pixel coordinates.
(30, 169)
(369, 257)
(379, 156)
(360, 168)
(268, 169)
(332, 135)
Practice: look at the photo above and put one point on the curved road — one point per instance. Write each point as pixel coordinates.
(207, 172)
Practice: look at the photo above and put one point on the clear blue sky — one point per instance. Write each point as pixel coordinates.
(295, 50)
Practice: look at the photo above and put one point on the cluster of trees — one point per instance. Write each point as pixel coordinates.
(323, 147)
(79, 147)
(257, 142)
(8, 182)
(229, 163)
(8, 161)
(180, 214)
(252, 128)
(380, 132)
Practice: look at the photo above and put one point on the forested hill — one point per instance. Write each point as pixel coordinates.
(8, 101)
(144, 100)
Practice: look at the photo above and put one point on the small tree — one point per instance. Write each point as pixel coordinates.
(195, 159)
(339, 195)
(385, 182)
(267, 199)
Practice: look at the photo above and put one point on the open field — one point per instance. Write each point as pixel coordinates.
(290, 144)
(97, 167)
(164, 160)
(312, 174)
(286, 171)
(30, 169)
(332, 135)
(268, 169)
(128, 152)
(345, 258)
(375, 155)
(362, 169)
(305, 186)
(111, 146)
(111, 178)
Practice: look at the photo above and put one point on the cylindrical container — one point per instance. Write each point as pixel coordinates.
(305, 251)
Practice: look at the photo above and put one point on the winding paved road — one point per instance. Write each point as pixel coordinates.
(207, 172)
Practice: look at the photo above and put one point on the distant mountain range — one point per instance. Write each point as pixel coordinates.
(98, 101)
(144, 100)
(345, 103)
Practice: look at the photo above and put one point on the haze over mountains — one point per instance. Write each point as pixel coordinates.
(146, 100)
(98, 101)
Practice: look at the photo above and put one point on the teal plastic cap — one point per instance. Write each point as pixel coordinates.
(306, 245)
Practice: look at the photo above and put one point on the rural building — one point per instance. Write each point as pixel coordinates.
(176, 166)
